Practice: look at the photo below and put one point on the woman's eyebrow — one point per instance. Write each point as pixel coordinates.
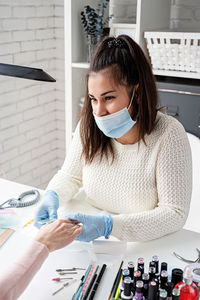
(103, 94)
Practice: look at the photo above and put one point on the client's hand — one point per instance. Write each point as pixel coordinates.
(93, 226)
(58, 234)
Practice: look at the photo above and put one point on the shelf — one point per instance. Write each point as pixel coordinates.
(177, 74)
(81, 65)
(147, 15)
(122, 28)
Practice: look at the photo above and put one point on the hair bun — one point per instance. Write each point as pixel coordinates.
(116, 43)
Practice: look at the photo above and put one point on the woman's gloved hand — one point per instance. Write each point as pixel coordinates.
(47, 210)
(93, 226)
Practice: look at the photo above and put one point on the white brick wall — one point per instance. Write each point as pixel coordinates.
(60, 95)
(32, 118)
(32, 145)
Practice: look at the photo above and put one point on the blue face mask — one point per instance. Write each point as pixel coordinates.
(117, 124)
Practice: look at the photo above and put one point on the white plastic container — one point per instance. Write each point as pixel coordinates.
(174, 51)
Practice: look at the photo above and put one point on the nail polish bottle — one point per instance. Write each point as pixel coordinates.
(157, 279)
(177, 286)
(163, 279)
(131, 269)
(139, 290)
(155, 259)
(137, 276)
(177, 276)
(152, 272)
(188, 290)
(127, 294)
(152, 292)
(198, 286)
(169, 288)
(140, 265)
(145, 279)
(125, 273)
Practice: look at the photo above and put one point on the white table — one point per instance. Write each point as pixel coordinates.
(79, 254)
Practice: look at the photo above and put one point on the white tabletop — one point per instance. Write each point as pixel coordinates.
(79, 254)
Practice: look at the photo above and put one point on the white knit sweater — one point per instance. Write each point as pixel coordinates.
(147, 191)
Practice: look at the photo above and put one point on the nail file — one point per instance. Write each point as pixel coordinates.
(5, 235)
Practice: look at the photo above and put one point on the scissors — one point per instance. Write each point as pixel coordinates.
(188, 260)
(13, 202)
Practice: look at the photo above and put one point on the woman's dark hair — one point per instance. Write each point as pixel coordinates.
(129, 67)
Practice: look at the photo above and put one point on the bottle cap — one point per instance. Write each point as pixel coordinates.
(125, 273)
(163, 266)
(177, 276)
(141, 260)
(127, 286)
(145, 277)
(152, 264)
(139, 286)
(187, 276)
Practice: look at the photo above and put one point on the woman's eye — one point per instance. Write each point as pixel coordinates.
(109, 97)
(92, 99)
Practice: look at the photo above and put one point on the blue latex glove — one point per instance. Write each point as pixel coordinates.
(93, 226)
(47, 210)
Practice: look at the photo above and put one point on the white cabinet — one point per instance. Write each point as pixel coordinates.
(150, 15)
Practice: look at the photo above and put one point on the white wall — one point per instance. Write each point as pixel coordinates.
(32, 113)
(185, 14)
(60, 84)
(32, 137)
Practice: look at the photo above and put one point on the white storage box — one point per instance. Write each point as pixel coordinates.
(174, 51)
(123, 11)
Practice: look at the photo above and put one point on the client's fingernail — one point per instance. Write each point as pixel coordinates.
(74, 222)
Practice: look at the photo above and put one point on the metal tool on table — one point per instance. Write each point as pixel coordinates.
(67, 273)
(188, 260)
(62, 278)
(69, 269)
(64, 285)
(22, 200)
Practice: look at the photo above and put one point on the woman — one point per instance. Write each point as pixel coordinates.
(133, 161)
(50, 237)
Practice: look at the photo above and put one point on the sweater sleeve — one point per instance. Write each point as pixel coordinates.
(17, 276)
(67, 181)
(173, 179)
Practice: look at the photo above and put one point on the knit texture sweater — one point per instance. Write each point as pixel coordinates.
(147, 189)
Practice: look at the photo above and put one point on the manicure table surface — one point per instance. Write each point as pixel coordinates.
(111, 251)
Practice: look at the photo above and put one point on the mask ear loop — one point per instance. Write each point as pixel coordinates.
(133, 93)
